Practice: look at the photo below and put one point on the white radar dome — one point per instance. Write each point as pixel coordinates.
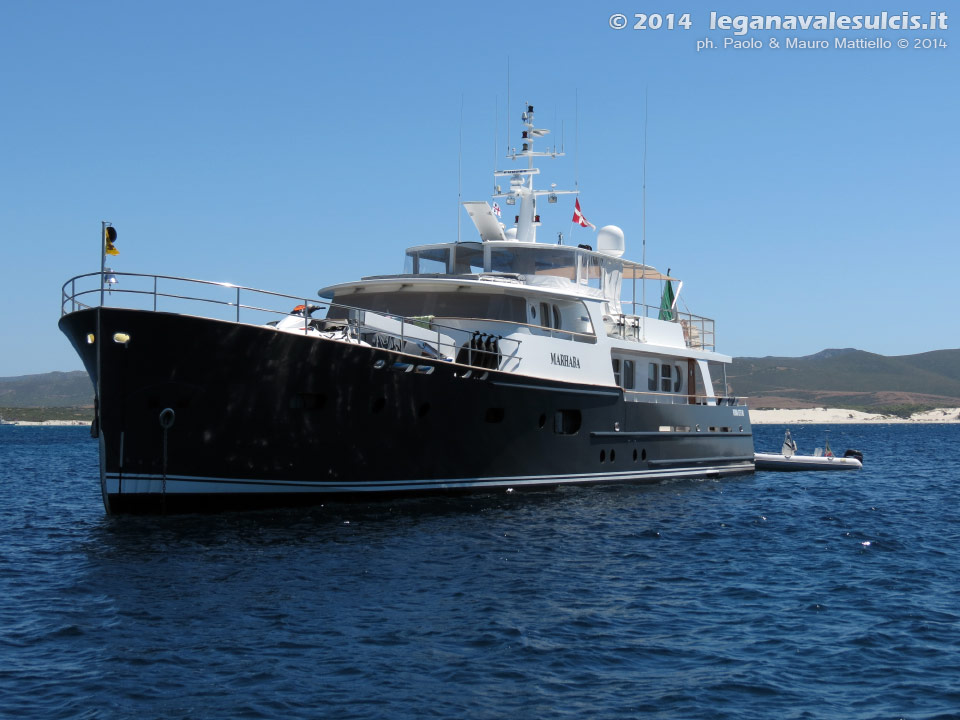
(511, 233)
(610, 240)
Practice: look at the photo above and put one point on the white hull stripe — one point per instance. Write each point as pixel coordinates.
(177, 484)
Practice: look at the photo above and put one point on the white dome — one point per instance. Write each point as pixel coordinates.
(610, 240)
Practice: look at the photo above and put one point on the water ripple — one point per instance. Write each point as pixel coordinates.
(778, 595)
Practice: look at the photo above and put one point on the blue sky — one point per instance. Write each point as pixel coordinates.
(808, 199)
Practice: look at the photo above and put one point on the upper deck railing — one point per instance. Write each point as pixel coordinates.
(699, 333)
(237, 303)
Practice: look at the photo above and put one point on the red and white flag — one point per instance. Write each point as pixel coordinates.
(578, 217)
(496, 209)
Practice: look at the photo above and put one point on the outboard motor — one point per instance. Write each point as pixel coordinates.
(854, 454)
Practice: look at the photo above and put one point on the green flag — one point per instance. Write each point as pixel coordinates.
(666, 304)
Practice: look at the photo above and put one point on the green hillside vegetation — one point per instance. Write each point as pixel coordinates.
(50, 396)
(44, 414)
(852, 379)
(55, 389)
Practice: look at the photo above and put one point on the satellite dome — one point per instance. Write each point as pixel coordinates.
(610, 240)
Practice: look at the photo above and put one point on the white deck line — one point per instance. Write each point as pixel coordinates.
(182, 484)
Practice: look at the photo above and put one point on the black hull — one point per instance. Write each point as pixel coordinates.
(263, 418)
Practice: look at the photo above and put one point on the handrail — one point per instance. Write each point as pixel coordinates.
(71, 298)
(698, 332)
(553, 332)
(684, 398)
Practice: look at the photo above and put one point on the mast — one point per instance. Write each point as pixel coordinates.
(521, 180)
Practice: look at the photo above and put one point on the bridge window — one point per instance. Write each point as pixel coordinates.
(427, 262)
(468, 259)
(559, 263)
(653, 376)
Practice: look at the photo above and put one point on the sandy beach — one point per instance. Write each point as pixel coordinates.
(814, 416)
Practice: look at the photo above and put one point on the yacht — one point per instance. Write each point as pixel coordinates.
(495, 364)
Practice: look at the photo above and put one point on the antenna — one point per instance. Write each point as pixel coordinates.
(496, 138)
(643, 258)
(508, 104)
(555, 124)
(460, 169)
(576, 139)
(576, 148)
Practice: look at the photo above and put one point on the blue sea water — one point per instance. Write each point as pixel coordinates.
(778, 595)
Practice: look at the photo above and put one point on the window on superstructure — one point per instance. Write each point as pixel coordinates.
(678, 379)
(429, 261)
(468, 259)
(666, 379)
(534, 261)
(590, 271)
(616, 370)
(481, 306)
(629, 375)
(653, 376)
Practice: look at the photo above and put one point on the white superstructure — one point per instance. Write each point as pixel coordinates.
(556, 311)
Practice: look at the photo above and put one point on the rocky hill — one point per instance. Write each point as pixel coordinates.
(55, 389)
(849, 378)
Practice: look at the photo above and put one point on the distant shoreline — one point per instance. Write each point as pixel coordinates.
(48, 423)
(838, 416)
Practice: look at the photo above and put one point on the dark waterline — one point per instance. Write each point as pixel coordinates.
(779, 595)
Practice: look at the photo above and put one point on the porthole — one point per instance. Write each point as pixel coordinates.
(613, 455)
(379, 364)
(643, 454)
(542, 420)
(634, 455)
(603, 456)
